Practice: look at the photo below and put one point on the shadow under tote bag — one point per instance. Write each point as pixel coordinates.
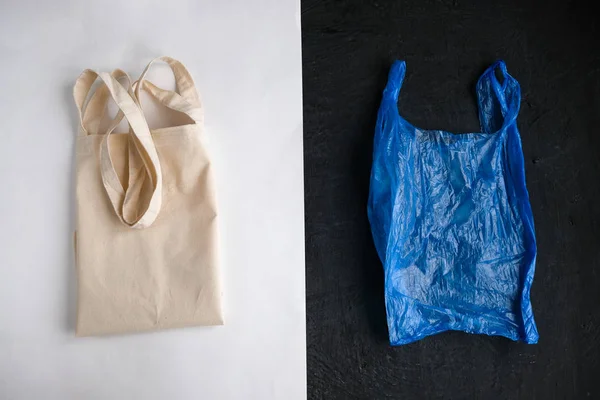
(145, 240)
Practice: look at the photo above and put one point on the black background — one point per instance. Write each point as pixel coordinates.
(553, 50)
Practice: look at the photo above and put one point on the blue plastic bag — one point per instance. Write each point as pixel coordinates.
(451, 219)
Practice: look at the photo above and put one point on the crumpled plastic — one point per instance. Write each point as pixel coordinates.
(451, 219)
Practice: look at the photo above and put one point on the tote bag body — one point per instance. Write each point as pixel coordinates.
(146, 232)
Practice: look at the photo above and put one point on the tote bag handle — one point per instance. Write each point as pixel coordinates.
(142, 151)
(185, 99)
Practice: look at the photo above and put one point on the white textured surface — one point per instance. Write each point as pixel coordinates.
(245, 57)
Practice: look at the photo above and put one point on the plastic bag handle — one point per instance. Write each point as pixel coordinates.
(497, 99)
(395, 80)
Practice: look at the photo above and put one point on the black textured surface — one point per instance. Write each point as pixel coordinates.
(553, 50)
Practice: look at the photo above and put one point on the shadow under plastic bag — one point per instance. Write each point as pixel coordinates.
(372, 269)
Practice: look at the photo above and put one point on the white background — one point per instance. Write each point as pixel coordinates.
(245, 57)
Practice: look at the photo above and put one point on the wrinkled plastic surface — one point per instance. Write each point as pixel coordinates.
(451, 219)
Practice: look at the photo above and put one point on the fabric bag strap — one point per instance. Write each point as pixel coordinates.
(140, 140)
(92, 112)
(185, 99)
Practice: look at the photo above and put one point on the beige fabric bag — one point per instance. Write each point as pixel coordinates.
(145, 240)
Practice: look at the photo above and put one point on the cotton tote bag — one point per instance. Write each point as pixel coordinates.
(146, 239)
